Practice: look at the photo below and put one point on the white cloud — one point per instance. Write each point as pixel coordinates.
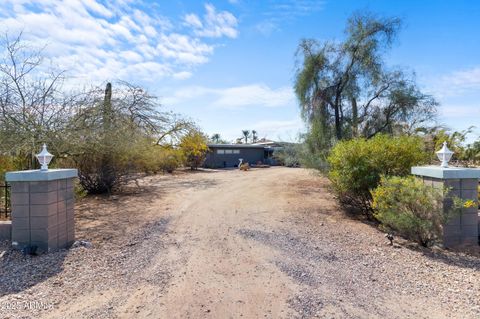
(215, 24)
(466, 79)
(97, 8)
(193, 20)
(253, 95)
(266, 27)
(182, 75)
(456, 83)
(95, 42)
(183, 49)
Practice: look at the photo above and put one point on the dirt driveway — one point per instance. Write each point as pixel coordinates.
(268, 243)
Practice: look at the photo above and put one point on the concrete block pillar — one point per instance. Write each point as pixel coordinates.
(42, 205)
(463, 182)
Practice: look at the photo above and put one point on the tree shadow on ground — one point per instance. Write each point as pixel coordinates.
(19, 272)
(289, 244)
(464, 258)
(461, 257)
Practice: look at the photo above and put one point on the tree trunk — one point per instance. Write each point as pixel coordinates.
(338, 124)
(354, 118)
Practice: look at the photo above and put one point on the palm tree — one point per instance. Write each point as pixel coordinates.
(246, 135)
(216, 138)
(254, 136)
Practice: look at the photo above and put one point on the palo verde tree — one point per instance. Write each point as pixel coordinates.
(113, 132)
(345, 89)
(104, 132)
(194, 148)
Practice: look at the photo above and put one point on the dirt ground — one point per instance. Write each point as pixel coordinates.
(267, 243)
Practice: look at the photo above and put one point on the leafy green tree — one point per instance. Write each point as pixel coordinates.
(345, 90)
(435, 136)
(472, 153)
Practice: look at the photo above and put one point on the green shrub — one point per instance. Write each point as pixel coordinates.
(156, 158)
(6, 164)
(288, 155)
(356, 166)
(79, 191)
(169, 160)
(413, 209)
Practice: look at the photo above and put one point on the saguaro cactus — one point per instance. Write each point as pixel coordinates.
(107, 174)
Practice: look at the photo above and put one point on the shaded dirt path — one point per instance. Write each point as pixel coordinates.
(268, 243)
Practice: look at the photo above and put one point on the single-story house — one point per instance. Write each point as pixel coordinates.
(229, 155)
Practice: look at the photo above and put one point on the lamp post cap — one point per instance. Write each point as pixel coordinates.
(44, 158)
(444, 155)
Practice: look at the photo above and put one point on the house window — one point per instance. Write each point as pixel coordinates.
(228, 151)
(236, 151)
(220, 151)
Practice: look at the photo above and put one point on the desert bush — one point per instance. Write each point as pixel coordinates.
(413, 209)
(317, 143)
(289, 155)
(169, 160)
(356, 166)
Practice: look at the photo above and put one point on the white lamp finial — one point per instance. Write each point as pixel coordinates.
(444, 155)
(44, 158)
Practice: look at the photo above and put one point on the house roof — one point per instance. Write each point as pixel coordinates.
(236, 146)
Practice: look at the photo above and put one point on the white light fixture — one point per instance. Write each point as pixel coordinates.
(44, 158)
(444, 155)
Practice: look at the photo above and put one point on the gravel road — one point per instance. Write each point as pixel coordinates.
(267, 243)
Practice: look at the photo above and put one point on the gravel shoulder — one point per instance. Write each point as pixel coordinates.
(228, 244)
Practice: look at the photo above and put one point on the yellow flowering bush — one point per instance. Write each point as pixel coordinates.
(469, 203)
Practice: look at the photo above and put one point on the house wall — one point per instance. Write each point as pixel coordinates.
(250, 155)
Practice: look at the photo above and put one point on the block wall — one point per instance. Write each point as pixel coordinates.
(43, 214)
(462, 229)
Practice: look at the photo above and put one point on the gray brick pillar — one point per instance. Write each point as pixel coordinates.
(463, 182)
(42, 208)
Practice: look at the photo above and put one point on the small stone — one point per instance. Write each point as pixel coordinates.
(82, 243)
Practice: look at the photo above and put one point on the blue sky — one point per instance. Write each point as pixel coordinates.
(229, 65)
